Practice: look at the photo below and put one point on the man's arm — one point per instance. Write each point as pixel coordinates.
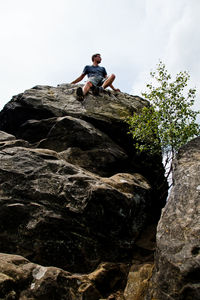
(78, 79)
(114, 89)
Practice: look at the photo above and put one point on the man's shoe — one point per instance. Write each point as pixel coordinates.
(101, 89)
(79, 94)
(95, 91)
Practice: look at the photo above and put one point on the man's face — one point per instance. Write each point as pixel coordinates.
(98, 59)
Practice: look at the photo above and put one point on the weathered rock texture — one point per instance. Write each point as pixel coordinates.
(73, 191)
(177, 272)
(138, 282)
(21, 279)
(92, 134)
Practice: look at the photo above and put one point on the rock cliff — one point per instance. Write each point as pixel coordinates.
(177, 260)
(78, 204)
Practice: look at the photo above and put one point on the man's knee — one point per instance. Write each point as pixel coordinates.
(89, 84)
(87, 87)
(112, 76)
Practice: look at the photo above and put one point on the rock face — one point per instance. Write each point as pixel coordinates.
(73, 191)
(64, 215)
(21, 279)
(137, 283)
(177, 272)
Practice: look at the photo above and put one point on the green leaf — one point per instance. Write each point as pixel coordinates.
(169, 122)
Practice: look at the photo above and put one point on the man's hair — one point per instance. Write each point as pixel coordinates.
(94, 55)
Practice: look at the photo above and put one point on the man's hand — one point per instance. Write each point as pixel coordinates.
(114, 89)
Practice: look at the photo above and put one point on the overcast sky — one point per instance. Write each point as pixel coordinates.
(48, 42)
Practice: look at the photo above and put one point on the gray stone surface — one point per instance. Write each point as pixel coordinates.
(6, 136)
(42, 102)
(177, 272)
(78, 142)
(73, 191)
(58, 214)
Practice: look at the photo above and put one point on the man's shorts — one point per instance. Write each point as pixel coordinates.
(96, 80)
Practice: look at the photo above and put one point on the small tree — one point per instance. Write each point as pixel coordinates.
(169, 121)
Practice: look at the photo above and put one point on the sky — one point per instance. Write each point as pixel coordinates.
(48, 42)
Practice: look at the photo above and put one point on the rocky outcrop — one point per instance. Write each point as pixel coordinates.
(177, 270)
(64, 215)
(73, 191)
(21, 279)
(92, 134)
(44, 102)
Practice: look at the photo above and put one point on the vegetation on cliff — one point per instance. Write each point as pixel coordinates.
(169, 122)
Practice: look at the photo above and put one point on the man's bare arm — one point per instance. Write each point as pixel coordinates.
(78, 79)
(114, 89)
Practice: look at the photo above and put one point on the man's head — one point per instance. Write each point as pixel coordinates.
(96, 57)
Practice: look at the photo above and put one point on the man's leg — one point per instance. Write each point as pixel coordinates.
(81, 92)
(87, 87)
(108, 81)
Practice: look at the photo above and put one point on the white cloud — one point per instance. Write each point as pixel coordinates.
(171, 31)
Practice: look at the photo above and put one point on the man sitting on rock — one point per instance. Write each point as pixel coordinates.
(97, 79)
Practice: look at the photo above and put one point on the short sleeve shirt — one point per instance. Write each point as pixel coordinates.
(91, 71)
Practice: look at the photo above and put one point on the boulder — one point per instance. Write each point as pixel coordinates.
(21, 279)
(75, 196)
(89, 133)
(78, 142)
(92, 134)
(43, 102)
(177, 261)
(59, 214)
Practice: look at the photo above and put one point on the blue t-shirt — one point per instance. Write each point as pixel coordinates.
(95, 71)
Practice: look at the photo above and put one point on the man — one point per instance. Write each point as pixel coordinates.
(97, 79)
